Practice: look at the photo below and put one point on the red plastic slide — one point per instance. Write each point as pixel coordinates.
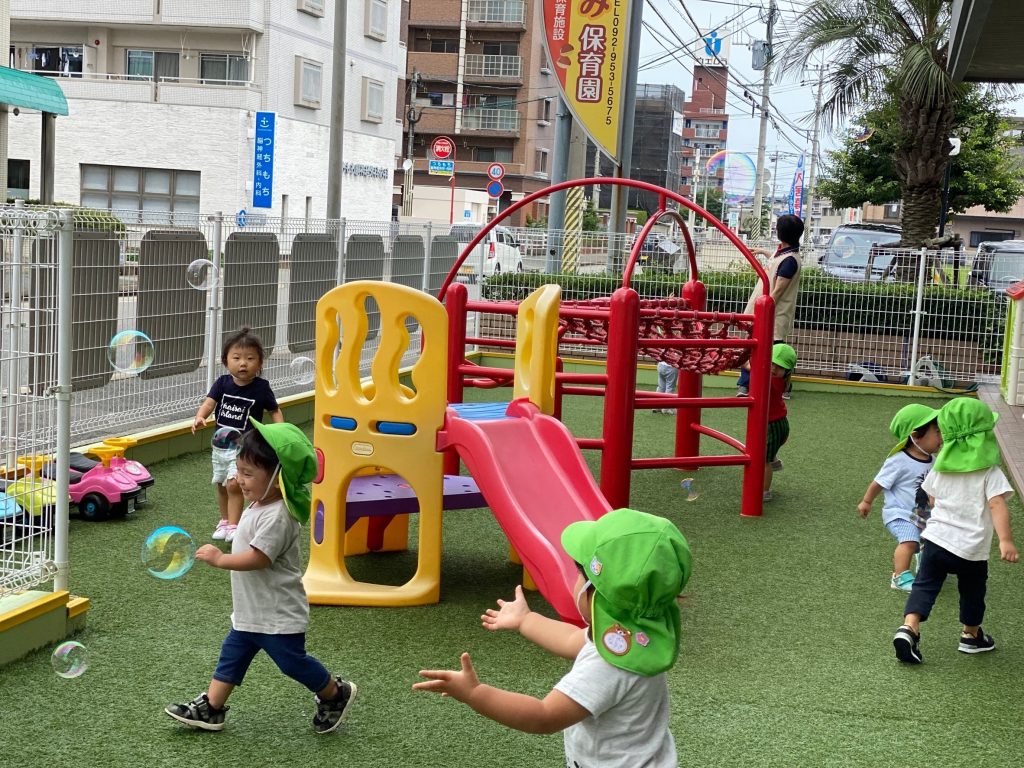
(534, 478)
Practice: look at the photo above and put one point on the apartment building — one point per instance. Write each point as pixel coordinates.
(483, 79)
(164, 95)
(705, 130)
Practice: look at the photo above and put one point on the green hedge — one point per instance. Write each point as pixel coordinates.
(825, 303)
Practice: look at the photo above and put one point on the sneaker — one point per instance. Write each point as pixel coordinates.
(198, 714)
(767, 496)
(742, 391)
(976, 643)
(669, 411)
(776, 465)
(906, 641)
(220, 531)
(902, 581)
(655, 410)
(787, 395)
(229, 532)
(330, 714)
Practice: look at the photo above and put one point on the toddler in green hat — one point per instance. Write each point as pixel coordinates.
(968, 493)
(613, 706)
(906, 508)
(783, 363)
(270, 611)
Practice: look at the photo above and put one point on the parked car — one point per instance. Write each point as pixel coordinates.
(856, 251)
(499, 252)
(658, 254)
(998, 265)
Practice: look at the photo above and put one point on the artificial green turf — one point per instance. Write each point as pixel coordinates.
(786, 657)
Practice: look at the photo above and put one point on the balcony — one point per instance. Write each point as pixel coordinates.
(224, 14)
(487, 119)
(432, 66)
(494, 68)
(181, 91)
(503, 13)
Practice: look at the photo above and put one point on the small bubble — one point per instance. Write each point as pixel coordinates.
(688, 488)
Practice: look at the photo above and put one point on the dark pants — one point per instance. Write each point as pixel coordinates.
(287, 651)
(744, 380)
(937, 563)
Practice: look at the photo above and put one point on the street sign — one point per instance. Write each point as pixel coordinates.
(495, 171)
(467, 214)
(263, 162)
(441, 168)
(240, 218)
(494, 189)
(443, 148)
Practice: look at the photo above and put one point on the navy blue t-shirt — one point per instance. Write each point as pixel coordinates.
(236, 404)
(789, 265)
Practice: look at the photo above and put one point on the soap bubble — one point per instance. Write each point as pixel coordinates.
(302, 370)
(201, 274)
(70, 659)
(688, 488)
(226, 438)
(168, 552)
(130, 352)
(739, 174)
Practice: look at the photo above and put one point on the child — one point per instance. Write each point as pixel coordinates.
(668, 381)
(613, 705)
(906, 506)
(783, 363)
(783, 285)
(236, 396)
(270, 611)
(968, 493)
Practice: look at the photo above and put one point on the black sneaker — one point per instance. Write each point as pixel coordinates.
(976, 644)
(905, 641)
(330, 714)
(198, 714)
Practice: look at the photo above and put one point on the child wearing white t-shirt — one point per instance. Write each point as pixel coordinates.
(613, 706)
(906, 506)
(968, 492)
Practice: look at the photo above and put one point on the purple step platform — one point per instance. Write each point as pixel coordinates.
(377, 495)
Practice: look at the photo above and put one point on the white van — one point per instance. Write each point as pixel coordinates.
(499, 252)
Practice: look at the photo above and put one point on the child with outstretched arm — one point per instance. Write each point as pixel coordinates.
(613, 706)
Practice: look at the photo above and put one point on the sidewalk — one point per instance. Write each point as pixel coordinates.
(1009, 432)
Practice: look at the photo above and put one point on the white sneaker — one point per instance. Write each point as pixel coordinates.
(221, 531)
(230, 535)
(767, 496)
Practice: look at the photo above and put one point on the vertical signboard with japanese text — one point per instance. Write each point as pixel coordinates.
(263, 161)
(587, 41)
(796, 190)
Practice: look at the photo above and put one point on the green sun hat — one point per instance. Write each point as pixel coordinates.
(638, 564)
(968, 437)
(784, 356)
(907, 419)
(297, 458)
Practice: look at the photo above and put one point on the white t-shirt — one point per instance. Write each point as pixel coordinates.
(269, 600)
(628, 723)
(961, 521)
(901, 476)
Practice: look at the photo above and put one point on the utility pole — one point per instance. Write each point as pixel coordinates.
(409, 164)
(763, 134)
(775, 186)
(814, 157)
(336, 140)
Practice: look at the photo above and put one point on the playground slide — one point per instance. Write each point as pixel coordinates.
(534, 478)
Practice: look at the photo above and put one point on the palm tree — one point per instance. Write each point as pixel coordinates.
(888, 49)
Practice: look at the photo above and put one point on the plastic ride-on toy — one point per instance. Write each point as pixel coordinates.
(135, 469)
(107, 488)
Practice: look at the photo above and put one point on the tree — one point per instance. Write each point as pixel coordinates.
(591, 223)
(895, 50)
(986, 172)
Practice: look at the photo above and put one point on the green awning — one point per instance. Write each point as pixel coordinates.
(28, 91)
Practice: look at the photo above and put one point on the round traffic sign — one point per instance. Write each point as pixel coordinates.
(443, 148)
(495, 170)
(495, 188)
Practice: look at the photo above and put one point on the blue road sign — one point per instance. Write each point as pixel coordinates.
(263, 161)
(467, 214)
(240, 218)
(494, 189)
(441, 167)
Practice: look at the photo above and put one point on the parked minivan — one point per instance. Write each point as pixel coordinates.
(498, 252)
(998, 265)
(853, 251)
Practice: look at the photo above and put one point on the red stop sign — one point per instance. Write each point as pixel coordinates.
(443, 148)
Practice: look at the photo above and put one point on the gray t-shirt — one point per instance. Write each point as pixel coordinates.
(270, 600)
(628, 723)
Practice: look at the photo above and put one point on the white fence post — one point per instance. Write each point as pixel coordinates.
(915, 342)
(212, 358)
(62, 394)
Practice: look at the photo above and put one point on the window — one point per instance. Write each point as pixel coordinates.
(312, 7)
(152, 65)
(223, 68)
(444, 45)
(17, 178)
(158, 195)
(977, 237)
(376, 19)
(540, 162)
(56, 60)
(441, 99)
(545, 110)
(501, 49)
(492, 154)
(373, 100)
(308, 78)
(492, 102)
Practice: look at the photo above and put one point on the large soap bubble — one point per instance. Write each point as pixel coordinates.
(168, 552)
(130, 352)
